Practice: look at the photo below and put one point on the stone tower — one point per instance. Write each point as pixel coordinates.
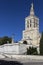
(31, 33)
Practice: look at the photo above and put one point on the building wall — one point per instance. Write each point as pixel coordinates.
(14, 48)
(31, 33)
(22, 48)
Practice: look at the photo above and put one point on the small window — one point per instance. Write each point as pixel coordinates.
(28, 24)
(34, 23)
(24, 42)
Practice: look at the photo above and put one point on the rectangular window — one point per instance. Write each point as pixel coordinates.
(27, 24)
(30, 23)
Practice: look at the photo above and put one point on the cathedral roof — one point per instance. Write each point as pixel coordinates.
(32, 10)
(32, 14)
(31, 17)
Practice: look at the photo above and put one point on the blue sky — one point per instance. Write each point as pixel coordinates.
(13, 13)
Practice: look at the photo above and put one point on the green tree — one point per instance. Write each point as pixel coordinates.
(4, 40)
(32, 51)
(41, 45)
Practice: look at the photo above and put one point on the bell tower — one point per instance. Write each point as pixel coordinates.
(31, 33)
(31, 22)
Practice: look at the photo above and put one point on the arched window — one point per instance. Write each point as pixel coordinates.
(34, 23)
(30, 23)
(24, 42)
(27, 24)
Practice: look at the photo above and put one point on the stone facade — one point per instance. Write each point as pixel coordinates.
(13, 49)
(31, 33)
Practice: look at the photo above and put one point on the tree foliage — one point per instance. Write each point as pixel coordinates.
(41, 45)
(32, 51)
(4, 40)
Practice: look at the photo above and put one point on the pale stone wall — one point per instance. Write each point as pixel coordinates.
(22, 58)
(22, 49)
(14, 48)
(31, 33)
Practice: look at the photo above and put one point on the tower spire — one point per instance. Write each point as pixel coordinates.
(32, 10)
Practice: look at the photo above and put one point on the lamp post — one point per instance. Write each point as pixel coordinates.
(12, 38)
